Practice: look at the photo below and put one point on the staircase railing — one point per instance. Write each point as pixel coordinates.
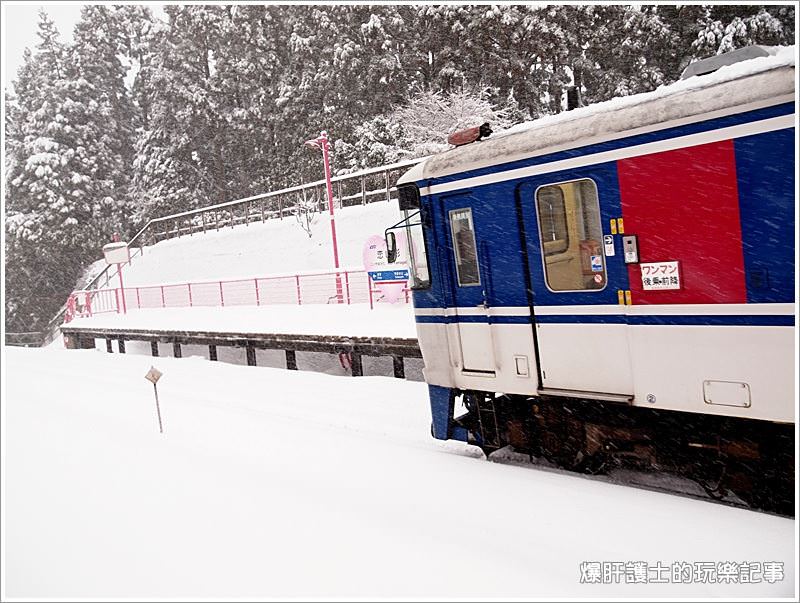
(358, 188)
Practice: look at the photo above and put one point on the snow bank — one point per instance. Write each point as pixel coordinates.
(261, 249)
(357, 320)
(275, 484)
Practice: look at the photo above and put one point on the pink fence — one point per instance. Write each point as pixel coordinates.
(355, 287)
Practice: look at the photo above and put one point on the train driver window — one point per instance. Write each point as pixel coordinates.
(571, 236)
(417, 255)
(464, 247)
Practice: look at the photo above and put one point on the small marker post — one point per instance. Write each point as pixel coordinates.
(153, 375)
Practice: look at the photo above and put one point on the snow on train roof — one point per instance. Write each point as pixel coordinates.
(773, 77)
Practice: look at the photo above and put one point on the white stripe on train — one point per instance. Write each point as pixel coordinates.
(679, 142)
(643, 310)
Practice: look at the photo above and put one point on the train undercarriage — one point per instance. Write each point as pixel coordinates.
(749, 459)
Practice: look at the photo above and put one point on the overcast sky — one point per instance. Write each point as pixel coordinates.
(20, 21)
(19, 30)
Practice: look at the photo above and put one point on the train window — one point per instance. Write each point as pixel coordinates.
(571, 236)
(417, 255)
(464, 247)
(553, 219)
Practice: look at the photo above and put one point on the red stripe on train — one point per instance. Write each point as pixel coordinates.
(684, 206)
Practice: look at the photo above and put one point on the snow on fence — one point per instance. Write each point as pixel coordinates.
(319, 288)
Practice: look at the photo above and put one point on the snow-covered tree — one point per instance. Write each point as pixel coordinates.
(420, 127)
(69, 173)
(306, 212)
(378, 141)
(726, 31)
(38, 227)
(429, 117)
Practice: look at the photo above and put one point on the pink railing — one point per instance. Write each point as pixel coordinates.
(319, 288)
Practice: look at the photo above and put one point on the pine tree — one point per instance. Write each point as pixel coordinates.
(68, 177)
(103, 119)
(38, 229)
(724, 29)
(377, 141)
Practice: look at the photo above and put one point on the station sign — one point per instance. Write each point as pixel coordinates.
(388, 280)
(388, 275)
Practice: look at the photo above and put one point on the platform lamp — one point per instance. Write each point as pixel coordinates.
(321, 143)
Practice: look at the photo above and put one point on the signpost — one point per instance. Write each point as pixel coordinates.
(118, 253)
(153, 375)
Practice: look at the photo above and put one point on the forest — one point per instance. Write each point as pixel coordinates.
(145, 113)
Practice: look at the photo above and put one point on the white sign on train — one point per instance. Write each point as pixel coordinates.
(608, 243)
(659, 276)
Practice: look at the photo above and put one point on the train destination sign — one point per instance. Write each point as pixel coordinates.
(660, 276)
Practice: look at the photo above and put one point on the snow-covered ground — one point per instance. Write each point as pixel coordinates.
(272, 483)
(274, 247)
(357, 320)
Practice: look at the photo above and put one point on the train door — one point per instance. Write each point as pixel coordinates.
(469, 279)
(578, 283)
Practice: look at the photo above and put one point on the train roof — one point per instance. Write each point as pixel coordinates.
(770, 79)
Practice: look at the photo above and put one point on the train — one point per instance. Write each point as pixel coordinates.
(614, 286)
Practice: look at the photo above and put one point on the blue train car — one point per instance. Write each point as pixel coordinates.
(617, 282)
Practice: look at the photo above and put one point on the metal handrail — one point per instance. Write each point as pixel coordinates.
(291, 189)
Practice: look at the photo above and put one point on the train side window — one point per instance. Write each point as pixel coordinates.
(464, 247)
(571, 236)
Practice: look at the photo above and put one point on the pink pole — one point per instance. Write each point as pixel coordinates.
(369, 288)
(122, 289)
(323, 140)
(68, 315)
